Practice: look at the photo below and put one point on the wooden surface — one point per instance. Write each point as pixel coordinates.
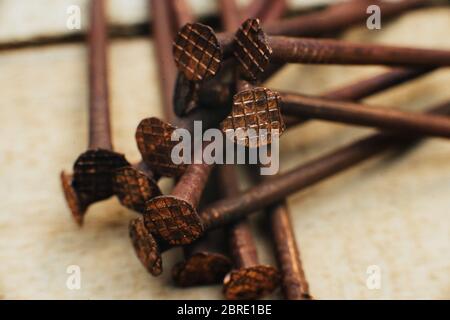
(391, 211)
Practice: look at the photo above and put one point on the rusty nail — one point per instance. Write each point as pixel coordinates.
(255, 51)
(293, 280)
(93, 170)
(366, 87)
(255, 109)
(199, 52)
(205, 263)
(180, 207)
(249, 279)
(149, 247)
(360, 114)
(231, 209)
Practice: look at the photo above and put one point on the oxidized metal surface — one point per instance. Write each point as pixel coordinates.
(77, 208)
(250, 283)
(202, 268)
(251, 49)
(257, 113)
(92, 180)
(173, 219)
(146, 247)
(153, 138)
(197, 52)
(133, 188)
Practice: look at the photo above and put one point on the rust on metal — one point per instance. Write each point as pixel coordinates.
(174, 219)
(146, 246)
(91, 181)
(153, 138)
(197, 52)
(201, 268)
(255, 51)
(293, 280)
(255, 112)
(251, 49)
(134, 188)
(250, 283)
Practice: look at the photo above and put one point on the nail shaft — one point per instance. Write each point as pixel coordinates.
(99, 120)
(302, 50)
(93, 170)
(359, 114)
(293, 279)
(162, 29)
(181, 13)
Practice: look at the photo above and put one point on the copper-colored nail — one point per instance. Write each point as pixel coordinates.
(360, 114)
(93, 170)
(179, 209)
(257, 113)
(249, 279)
(293, 280)
(134, 185)
(255, 51)
(266, 193)
(204, 264)
(199, 52)
(149, 249)
(366, 87)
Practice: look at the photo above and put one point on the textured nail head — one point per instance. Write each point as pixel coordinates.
(202, 268)
(252, 49)
(92, 180)
(197, 52)
(256, 112)
(153, 138)
(173, 219)
(134, 188)
(250, 283)
(146, 247)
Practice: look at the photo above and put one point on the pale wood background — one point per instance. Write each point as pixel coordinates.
(391, 211)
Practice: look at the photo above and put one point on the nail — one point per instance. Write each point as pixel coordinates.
(231, 209)
(91, 180)
(255, 51)
(211, 94)
(204, 263)
(256, 112)
(149, 247)
(293, 280)
(249, 279)
(366, 87)
(162, 33)
(175, 210)
(363, 115)
(135, 185)
(218, 91)
(199, 52)
(153, 138)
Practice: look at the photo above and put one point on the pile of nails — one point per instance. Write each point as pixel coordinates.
(215, 77)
